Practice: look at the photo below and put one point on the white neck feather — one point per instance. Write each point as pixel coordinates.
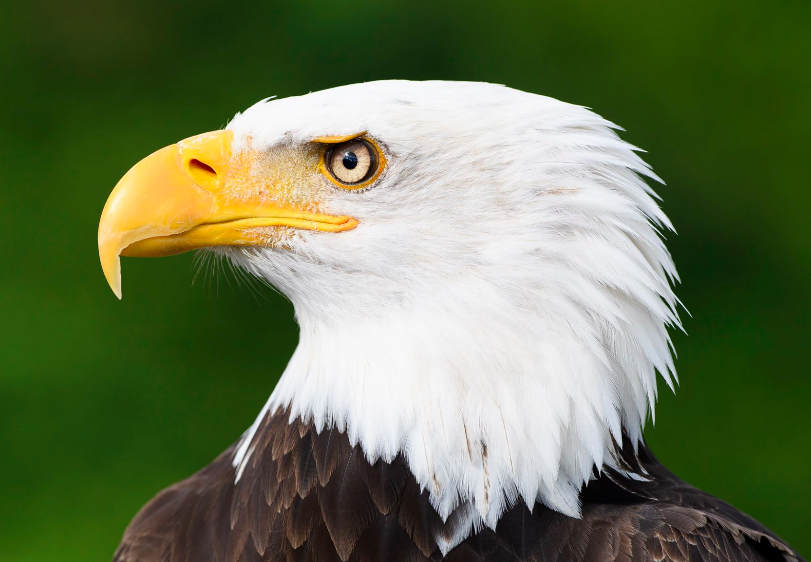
(490, 399)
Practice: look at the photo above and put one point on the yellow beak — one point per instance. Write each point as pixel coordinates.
(177, 199)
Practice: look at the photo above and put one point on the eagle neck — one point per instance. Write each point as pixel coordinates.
(486, 412)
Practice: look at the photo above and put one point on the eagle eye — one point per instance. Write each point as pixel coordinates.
(352, 164)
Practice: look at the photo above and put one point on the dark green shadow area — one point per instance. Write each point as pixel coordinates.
(103, 403)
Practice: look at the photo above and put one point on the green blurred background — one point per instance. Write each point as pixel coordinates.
(103, 403)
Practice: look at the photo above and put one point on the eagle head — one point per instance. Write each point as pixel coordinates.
(478, 274)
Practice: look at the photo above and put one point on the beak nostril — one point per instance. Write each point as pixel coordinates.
(201, 172)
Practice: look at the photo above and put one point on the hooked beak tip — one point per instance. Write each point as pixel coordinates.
(111, 265)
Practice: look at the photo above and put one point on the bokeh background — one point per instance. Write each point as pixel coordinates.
(103, 403)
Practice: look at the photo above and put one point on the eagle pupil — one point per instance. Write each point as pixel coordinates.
(350, 160)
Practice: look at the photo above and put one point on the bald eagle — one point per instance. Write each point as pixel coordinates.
(484, 298)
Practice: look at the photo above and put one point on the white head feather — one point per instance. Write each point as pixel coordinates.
(500, 312)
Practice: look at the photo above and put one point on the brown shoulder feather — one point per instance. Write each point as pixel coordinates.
(308, 497)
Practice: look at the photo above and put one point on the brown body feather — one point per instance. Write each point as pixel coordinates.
(311, 497)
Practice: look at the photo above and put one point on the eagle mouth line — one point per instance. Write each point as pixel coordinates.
(303, 220)
(233, 232)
